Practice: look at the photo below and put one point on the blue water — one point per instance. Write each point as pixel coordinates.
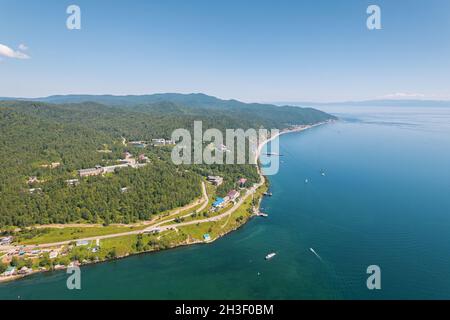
(385, 200)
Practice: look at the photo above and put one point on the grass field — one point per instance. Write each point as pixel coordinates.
(50, 235)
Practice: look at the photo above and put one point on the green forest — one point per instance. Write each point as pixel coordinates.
(35, 134)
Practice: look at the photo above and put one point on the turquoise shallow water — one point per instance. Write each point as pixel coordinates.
(385, 200)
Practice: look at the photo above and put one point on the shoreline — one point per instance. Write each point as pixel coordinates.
(197, 242)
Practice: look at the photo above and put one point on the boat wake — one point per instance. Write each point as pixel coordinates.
(316, 254)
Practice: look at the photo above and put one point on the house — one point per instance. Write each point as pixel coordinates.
(25, 270)
(123, 190)
(72, 182)
(55, 165)
(53, 254)
(127, 155)
(241, 182)
(158, 142)
(170, 142)
(143, 158)
(34, 190)
(82, 243)
(215, 180)
(162, 142)
(9, 271)
(98, 170)
(59, 267)
(233, 195)
(5, 241)
(218, 203)
(206, 237)
(32, 180)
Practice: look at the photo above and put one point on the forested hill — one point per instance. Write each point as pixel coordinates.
(81, 135)
(197, 104)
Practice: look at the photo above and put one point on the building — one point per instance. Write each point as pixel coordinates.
(32, 180)
(218, 203)
(5, 241)
(241, 182)
(98, 170)
(123, 190)
(112, 169)
(82, 243)
(72, 182)
(158, 142)
(170, 142)
(143, 158)
(53, 254)
(206, 237)
(138, 144)
(34, 190)
(222, 148)
(9, 271)
(59, 267)
(233, 195)
(215, 180)
(162, 142)
(55, 165)
(25, 270)
(127, 155)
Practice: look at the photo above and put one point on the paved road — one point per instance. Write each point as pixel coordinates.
(115, 235)
(215, 218)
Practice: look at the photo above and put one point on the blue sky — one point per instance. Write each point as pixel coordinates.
(313, 50)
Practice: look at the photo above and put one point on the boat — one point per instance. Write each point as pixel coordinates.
(268, 194)
(269, 154)
(262, 214)
(306, 180)
(270, 255)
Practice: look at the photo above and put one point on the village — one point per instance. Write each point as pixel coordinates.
(127, 161)
(22, 260)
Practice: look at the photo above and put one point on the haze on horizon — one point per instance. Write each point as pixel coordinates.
(261, 51)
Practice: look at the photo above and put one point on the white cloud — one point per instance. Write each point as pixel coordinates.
(10, 53)
(23, 47)
(403, 95)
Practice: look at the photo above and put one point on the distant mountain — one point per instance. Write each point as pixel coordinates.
(377, 103)
(198, 104)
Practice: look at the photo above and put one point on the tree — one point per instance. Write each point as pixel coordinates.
(112, 254)
(2, 267)
(14, 262)
(139, 243)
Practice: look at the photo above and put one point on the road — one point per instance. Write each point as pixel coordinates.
(115, 235)
(157, 226)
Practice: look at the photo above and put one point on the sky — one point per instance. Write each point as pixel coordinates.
(252, 50)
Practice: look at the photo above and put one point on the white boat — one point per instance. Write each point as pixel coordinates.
(270, 255)
(306, 180)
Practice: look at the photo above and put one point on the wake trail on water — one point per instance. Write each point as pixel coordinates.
(316, 254)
